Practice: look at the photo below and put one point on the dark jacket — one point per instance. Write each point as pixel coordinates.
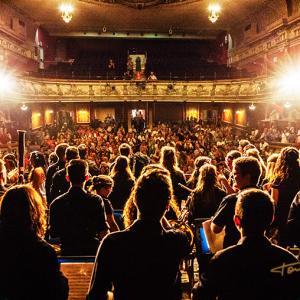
(29, 269)
(253, 269)
(77, 217)
(141, 262)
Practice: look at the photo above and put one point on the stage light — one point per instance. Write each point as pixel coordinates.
(7, 82)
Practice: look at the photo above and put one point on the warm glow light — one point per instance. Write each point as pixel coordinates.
(238, 112)
(50, 111)
(7, 83)
(66, 10)
(287, 105)
(24, 107)
(38, 114)
(214, 11)
(252, 106)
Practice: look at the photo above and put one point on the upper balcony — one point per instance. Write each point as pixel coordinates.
(66, 90)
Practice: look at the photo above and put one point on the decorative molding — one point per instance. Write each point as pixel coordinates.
(274, 41)
(48, 90)
(17, 49)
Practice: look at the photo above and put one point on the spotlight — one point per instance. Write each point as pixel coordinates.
(7, 83)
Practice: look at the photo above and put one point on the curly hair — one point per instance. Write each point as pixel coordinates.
(22, 211)
(130, 210)
(287, 165)
(271, 162)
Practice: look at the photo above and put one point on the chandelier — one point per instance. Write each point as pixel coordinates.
(214, 10)
(252, 106)
(66, 10)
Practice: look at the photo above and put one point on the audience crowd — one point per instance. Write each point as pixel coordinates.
(114, 194)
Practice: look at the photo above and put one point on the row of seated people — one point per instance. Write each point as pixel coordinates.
(72, 220)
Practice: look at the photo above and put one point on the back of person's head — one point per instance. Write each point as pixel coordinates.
(37, 159)
(253, 152)
(243, 143)
(53, 158)
(125, 149)
(121, 166)
(152, 194)
(248, 166)
(233, 154)
(22, 211)
(82, 151)
(254, 210)
(168, 157)
(207, 177)
(3, 172)
(37, 176)
(77, 171)
(101, 181)
(248, 147)
(151, 167)
(201, 160)
(287, 164)
(60, 151)
(71, 153)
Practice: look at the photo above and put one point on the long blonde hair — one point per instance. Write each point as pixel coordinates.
(22, 210)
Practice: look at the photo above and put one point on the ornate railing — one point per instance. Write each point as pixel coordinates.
(33, 90)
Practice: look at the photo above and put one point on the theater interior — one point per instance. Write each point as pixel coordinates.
(68, 64)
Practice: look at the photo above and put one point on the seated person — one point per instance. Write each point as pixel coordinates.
(29, 266)
(152, 76)
(103, 186)
(254, 268)
(142, 262)
(78, 218)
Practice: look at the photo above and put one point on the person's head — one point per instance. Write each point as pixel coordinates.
(271, 162)
(254, 212)
(143, 148)
(200, 161)
(121, 166)
(10, 161)
(52, 159)
(3, 173)
(287, 164)
(37, 159)
(60, 151)
(152, 194)
(207, 177)
(125, 149)
(248, 147)
(102, 184)
(246, 171)
(37, 176)
(151, 167)
(242, 144)
(230, 157)
(82, 151)
(77, 171)
(22, 211)
(71, 153)
(168, 157)
(104, 168)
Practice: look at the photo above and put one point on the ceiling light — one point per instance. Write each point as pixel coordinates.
(214, 11)
(66, 10)
(252, 106)
(287, 105)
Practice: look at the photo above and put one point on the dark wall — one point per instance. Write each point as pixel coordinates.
(172, 112)
(163, 56)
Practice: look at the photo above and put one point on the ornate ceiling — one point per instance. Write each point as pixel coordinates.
(184, 17)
